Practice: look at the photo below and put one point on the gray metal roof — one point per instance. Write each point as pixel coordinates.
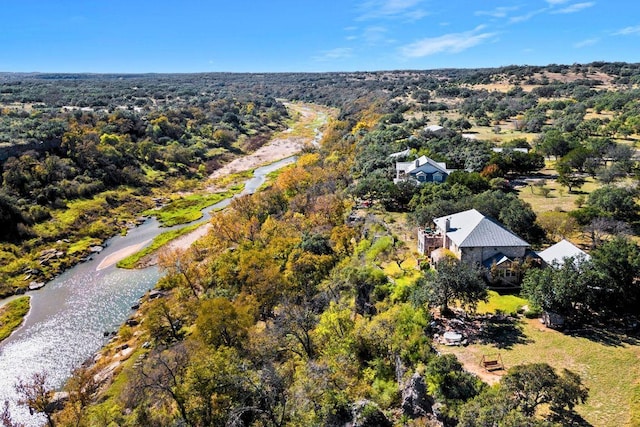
(471, 229)
(561, 250)
(497, 259)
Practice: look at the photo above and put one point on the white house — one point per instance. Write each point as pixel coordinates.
(421, 170)
(433, 128)
(556, 254)
(515, 149)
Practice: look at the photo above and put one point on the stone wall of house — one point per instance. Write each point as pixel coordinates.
(478, 255)
(427, 242)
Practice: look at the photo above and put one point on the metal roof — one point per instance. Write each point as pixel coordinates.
(497, 259)
(561, 250)
(471, 229)
(415, 165)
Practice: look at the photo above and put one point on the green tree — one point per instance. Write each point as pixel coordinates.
(215, 385)
(492, 409)
(374, 186)
(221, 322)
(618, 265)
(567, 178)
(163, 322)
(561, 288)
(366, 283)
(519, 217)
(448, 382)
(472, 180)
(532, 385)
(614, 202)
(554, 143)
(453, 281)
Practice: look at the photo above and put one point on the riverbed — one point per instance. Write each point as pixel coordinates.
(70, 315)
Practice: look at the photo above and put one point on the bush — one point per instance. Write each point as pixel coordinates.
(533, 312)
(39, 213)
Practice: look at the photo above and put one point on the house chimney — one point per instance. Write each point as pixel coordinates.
(417, 162)
(447, 225)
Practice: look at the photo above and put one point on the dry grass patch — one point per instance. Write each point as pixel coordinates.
(306, 119)
(558, 197)
(507, 133)
(607, 363)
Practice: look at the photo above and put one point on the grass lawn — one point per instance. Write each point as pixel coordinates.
(607, 363)
(508, 304)
(506, 134)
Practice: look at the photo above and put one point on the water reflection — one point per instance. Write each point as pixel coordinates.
(70, 314)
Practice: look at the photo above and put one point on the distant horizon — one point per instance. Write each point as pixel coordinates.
(144, 73)
(287, 36)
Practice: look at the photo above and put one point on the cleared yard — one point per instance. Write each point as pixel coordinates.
(607, 362)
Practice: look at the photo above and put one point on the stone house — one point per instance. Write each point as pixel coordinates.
(474, 238)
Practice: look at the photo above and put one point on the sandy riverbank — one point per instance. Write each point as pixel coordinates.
(279, 148)
(121, 254)
(272, 152)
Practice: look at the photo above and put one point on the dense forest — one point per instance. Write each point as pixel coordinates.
(306, 303)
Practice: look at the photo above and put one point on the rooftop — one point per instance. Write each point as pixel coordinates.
(472, 229)
(561, 250)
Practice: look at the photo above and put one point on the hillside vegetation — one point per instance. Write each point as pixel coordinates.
(304, 304)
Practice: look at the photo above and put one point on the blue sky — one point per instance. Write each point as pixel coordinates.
(303, 35)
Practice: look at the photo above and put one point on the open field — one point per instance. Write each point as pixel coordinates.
(606, 361)
(558, 197)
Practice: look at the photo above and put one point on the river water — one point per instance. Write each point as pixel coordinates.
(70, 314)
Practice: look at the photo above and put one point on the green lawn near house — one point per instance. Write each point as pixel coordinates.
(508, 304)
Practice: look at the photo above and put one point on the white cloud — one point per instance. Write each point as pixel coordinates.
(526, 17)
(416, 15)
(556, 2)
(577, 7)
(498, 12)
(585, 43)
(333, 54)
(628, 31)
(449, 43)
(375, 35)
(405, 9)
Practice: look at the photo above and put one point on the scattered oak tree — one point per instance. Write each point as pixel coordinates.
(452, 281)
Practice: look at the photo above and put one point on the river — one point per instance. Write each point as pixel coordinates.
(70, 314)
